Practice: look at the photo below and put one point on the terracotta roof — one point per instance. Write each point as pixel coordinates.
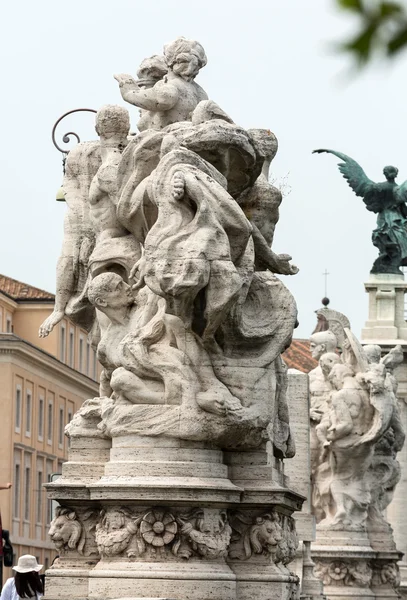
(19, 291)
(298, 356)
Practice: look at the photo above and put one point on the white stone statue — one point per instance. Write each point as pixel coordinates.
(79, 239)
(174, 97)
(353, 402)
(181, 453)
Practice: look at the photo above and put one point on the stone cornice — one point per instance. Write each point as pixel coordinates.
(26, 353)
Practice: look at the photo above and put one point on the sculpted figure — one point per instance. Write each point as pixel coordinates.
(174, 97)
(387, 199)
(192, 319)
(66, 531)
(322, 345)
(260, 204)
(150, 71)
(115, 533)
(384, 472)
(115, 248)
(351, 457)
(145, 351)
(79, 240)
(206, 531)
(262, 536)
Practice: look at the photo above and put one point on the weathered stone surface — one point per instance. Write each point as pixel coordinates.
(356, 434)
(175, 485)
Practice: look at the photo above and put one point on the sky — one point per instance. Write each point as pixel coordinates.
(271, 64)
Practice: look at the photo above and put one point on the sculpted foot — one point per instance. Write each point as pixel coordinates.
(50, 323)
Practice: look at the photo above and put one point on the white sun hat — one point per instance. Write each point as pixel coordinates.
(26, 564)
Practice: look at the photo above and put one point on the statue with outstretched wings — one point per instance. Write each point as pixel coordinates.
(388, 200)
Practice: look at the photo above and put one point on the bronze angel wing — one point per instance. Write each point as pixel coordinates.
(357, 179)
(400, 194)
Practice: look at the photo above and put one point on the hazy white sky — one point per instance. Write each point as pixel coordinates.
(270, 64)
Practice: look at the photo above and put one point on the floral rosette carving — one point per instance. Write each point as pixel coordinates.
(341, 573)
(158, 528)
(337, 571)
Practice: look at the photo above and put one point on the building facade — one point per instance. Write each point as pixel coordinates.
(42, 383)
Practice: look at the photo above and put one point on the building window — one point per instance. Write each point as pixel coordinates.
(27, 491)
(87, 358)
(62, 342)
(61, 427)
(39, 497)
(49, 422)
(1, 320)
(41, 418)
(94, 365)
(49, 502)
(18, 409)
(9, 324)
(16, 491)
(81, 344)
(28, 407)
(71, 348)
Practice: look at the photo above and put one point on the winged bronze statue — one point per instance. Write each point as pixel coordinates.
(387, 199)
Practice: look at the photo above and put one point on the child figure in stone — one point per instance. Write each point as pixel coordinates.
(174, 97)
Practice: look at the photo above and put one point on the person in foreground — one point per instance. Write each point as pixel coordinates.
(26, 583)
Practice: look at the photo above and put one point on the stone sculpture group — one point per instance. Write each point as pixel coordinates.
(167, 262)
(356, 433)
(174, 485)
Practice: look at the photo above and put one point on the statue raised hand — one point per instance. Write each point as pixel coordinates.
(387, 199)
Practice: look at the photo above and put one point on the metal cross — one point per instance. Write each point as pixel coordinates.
(325, 274)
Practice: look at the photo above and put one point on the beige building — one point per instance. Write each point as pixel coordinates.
(42, 383)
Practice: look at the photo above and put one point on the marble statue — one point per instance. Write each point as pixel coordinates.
(356, 433)
(189, 320)
(387, 199)
(79, 240)
(173, 97)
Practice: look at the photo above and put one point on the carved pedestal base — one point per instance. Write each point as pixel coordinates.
(166, 521)
(350, 566)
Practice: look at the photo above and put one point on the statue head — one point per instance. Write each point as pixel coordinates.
(112, 121)
(390, 173)
(152, 69)
(109, 291)
(265, 142)
(327, 362)
(185, 58)
(373, 353)
(322, 342)
(338, 374)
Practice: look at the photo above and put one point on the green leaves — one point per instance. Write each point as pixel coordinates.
(389, 9)
(383, 27)
(361, 45)
(398, 42)
(355, 5)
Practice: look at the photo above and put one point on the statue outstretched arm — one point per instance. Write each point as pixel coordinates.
(161, 97)
(277, 263)
(65, 281)
(354, 175)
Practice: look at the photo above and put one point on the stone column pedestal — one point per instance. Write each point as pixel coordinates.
(181, 519)
(387, 327)
(386, 322)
